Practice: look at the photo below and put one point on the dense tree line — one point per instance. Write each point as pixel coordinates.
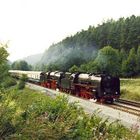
(86, 49)
(21, 65)
(111, 61)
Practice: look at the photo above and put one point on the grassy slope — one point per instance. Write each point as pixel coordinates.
(27, 114)
(130, 89)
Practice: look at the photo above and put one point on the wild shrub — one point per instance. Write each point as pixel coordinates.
(21, 84)
(8, 82)
(24, 77)
(7, 113)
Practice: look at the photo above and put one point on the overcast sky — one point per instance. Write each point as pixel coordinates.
(31, 26)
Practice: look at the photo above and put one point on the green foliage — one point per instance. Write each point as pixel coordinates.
(21, 65)
(23, 79)
(8, 82)
(3, 71)
(74, 69)
(3, 62)
(83, 68)
(26, 114)
(107, 60)
(90, 67)
(138, 60)
(3, 53)
(52, 67)
(21, 84)
(129, 66)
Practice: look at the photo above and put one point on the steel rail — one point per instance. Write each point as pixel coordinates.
(128, 102)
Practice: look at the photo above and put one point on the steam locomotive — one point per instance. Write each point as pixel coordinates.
(103, 87)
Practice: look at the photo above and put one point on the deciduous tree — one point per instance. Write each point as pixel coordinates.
(129, 66)
(108, 60)
(21, 65)
(3, 61)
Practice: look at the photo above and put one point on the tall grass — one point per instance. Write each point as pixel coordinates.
(29, 115)
(130, 89)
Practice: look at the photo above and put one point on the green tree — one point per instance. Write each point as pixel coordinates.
(21, 65)
(52, 67)
(83, 68)
(138, 60)
(123, 55)
(3, 53)
(22, 81)
(74, 69)
(129, 66)
(3, 62)
(108, 60)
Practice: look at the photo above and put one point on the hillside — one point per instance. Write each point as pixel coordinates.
(82, 47)
(69, 51)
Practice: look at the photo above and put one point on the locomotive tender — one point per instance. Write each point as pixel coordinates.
(101, 87)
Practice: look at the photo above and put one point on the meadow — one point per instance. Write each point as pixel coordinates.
(130, 89)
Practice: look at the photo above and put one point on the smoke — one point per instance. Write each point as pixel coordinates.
(73, 50)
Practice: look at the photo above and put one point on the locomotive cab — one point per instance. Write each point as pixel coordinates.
(110, 87)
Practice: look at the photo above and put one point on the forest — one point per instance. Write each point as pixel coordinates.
(112, 47)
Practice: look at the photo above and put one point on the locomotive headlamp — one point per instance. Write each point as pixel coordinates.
(116, 92)
(94, 90)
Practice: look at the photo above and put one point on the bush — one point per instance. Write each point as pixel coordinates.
(8, 82)
(21, 84)
(23, 79)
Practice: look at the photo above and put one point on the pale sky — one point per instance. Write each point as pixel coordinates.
(31, 26)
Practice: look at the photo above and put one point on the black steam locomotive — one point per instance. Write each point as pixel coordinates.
(103, 87)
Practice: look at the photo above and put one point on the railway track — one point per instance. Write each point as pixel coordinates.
(130, 107)
(127, 106)
(126, 109)
(128, 102)
(122, 105)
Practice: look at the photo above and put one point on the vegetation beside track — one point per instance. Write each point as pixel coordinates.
(130, 89)
(27, 114)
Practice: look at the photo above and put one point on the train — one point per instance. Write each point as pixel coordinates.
(100, 87)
